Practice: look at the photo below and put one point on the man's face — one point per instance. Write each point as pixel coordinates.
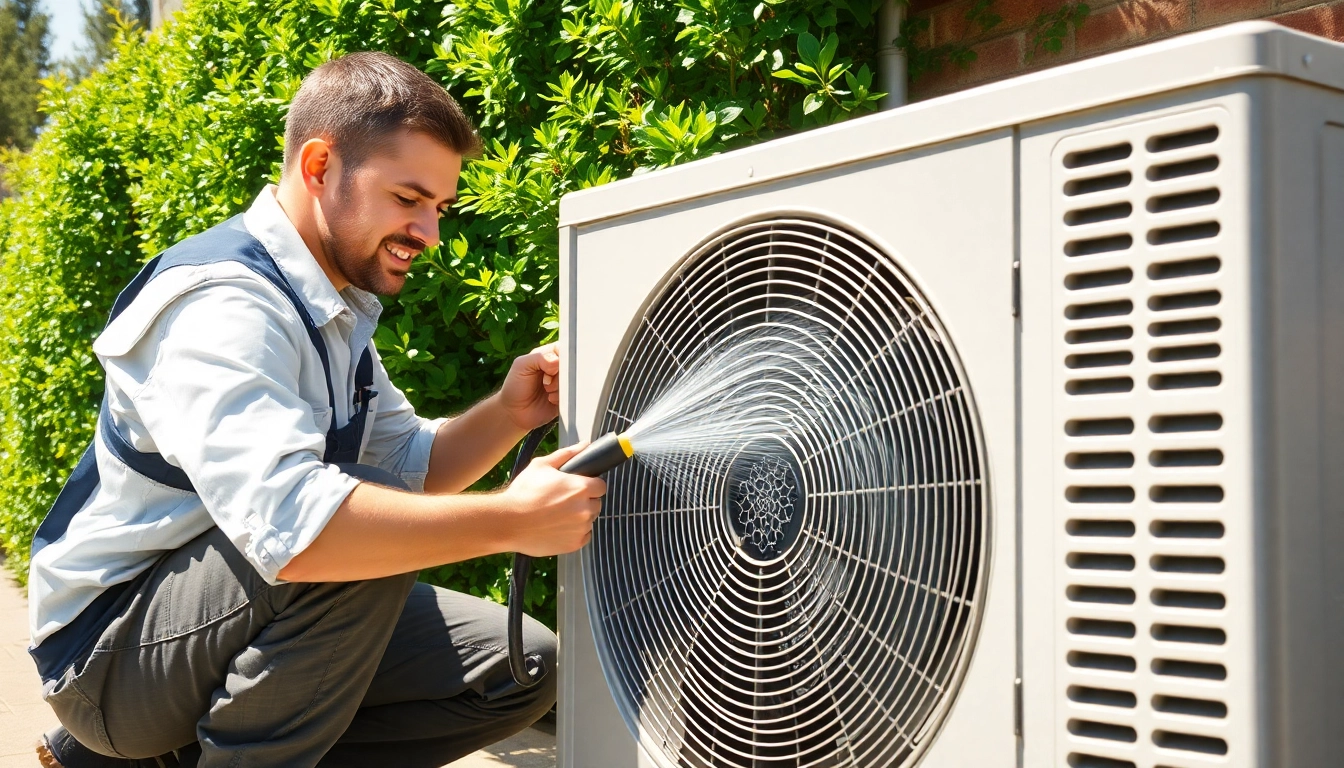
(383, 214)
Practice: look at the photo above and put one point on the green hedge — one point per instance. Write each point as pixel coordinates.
(184, 126)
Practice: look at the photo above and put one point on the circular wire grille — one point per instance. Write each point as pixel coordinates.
(818, 607)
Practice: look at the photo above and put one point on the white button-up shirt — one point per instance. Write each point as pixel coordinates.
(211, 367)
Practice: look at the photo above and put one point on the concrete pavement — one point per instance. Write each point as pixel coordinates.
(23, 714)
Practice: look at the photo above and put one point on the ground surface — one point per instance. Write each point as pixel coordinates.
(23, 714)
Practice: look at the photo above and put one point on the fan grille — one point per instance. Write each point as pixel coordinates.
(815, 609)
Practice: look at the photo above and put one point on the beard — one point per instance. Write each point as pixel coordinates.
(342, 243)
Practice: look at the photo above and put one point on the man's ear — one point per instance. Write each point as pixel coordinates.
(316, 162)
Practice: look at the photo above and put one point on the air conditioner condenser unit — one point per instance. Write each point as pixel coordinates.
(1075, 494)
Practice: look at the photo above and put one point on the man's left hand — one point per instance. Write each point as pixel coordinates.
(531, 391)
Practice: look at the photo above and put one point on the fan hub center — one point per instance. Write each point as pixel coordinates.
(763, 501)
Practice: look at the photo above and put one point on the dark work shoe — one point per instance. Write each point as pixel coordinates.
(58, 749)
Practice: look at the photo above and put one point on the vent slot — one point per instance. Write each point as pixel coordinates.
(1196, 380)
(1182, 169)
(1186, 494)
(1185, 327)
(1100, 561)
(1098, 184)
(1096, 245)
(1098, 156)
(1100, 494)
(1171, 270)
(1104, 662)
(1080, 760)
(1101, 628)
(1102, 697)
(1102, 595)
(1098, 214)
(1186, 529)
(1180, 705)
(1182, 598)
(1180, 633)
(1099, 386)
(1100, 460)
(1099, 309)
(1111, 529)
(1183, 201)
(1097, 335)
(1177, 354)
(1195, 564)
(1099, 427)
(1184, 301)
(1210, 457)
(1184, 233)
(1189, 742)
(1083, 281)
(1186, 422)
(1198, 670)
(1099, 359)
(1170, 141)
(1091, 729)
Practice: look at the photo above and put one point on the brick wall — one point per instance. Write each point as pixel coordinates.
(1005, 50)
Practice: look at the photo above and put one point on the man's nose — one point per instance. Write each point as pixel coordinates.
(425, 227)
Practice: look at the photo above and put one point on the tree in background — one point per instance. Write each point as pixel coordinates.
(24, 40)
(101, 19)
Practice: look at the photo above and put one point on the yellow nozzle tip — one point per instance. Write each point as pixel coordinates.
(626, 445)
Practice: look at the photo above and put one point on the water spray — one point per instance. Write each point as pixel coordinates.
(737, 410)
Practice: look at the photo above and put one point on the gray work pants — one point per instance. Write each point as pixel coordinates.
(378, 672)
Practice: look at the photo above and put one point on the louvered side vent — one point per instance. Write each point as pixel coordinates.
(1145, 660)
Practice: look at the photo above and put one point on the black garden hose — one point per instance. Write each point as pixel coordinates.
(605, 452)
(522, 568)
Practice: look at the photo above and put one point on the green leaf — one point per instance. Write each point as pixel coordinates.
(828, 52)
(809, 49)
(790, 75)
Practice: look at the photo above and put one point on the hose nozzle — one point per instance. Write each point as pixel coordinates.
(607, 452)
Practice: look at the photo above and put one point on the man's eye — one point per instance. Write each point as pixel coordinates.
(406, 201)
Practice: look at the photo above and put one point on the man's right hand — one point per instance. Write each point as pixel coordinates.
(555, 510)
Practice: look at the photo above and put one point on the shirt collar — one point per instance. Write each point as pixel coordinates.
(269, 223)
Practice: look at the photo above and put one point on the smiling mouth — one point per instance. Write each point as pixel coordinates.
(400, 254)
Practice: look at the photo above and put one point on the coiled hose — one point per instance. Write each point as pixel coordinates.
(606, 452)
(522, 569)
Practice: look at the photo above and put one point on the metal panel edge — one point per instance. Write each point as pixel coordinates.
(1236, 50)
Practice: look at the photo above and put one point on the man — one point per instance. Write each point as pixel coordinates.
(229, 577)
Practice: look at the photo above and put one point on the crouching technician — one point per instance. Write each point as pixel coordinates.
(229, 576)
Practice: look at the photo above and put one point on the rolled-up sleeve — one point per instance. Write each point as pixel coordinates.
(223, 403)
(399, 441)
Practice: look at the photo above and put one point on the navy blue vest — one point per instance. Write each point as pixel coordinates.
(229, 241)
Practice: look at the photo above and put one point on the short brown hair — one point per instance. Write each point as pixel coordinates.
(359, 101)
